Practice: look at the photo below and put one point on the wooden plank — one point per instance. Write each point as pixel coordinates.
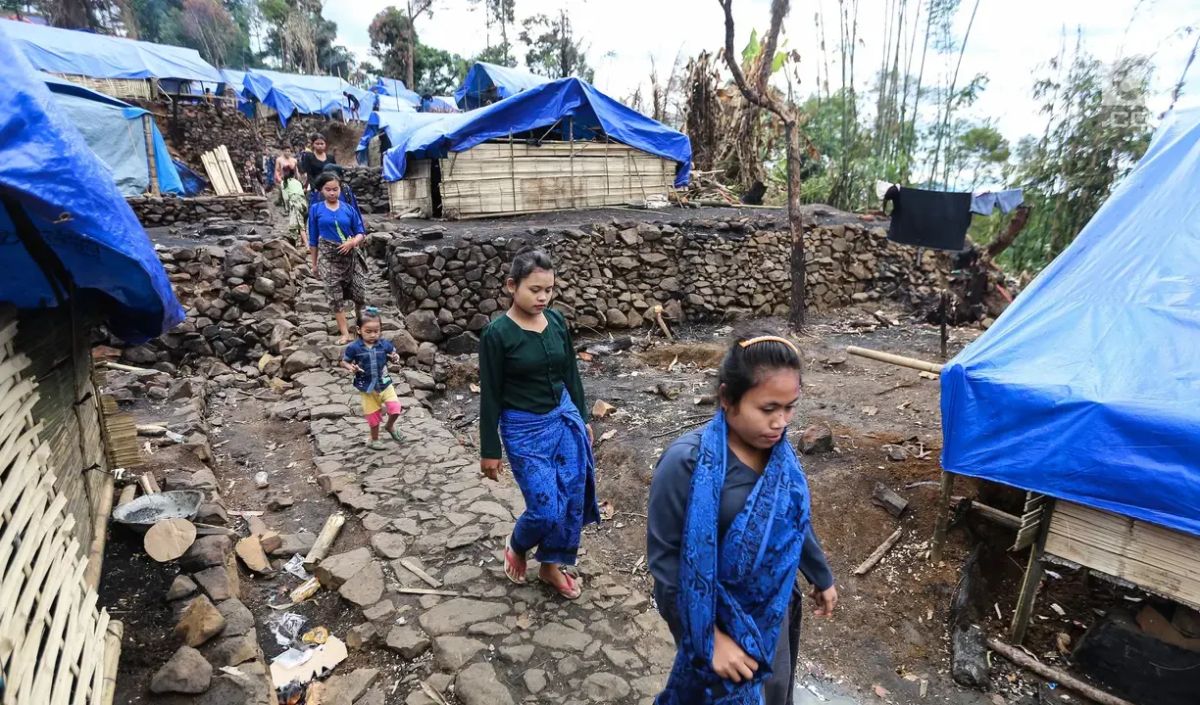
(232, 169)
(1031, 581)
(1159, 560)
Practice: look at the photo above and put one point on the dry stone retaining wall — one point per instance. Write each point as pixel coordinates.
(369, 188)
(611, 275)
(156, 211)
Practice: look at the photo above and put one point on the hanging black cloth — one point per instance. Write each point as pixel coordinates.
(934, 219)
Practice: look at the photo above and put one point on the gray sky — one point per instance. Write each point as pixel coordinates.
(1010, 41)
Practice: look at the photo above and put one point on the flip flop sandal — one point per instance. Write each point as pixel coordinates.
(511, 561)
(377, 445)
(569, 590)
(395, 435)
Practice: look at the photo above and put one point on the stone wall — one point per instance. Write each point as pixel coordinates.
(611, 275)
(155, 211)
(194, 129)
(369, 188)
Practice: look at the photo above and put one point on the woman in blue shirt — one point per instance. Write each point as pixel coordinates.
(335, 233)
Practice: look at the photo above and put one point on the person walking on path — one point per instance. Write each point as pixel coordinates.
(335, 235)
(531, 391)
(315, 160)
(729, 526)
(368, 359)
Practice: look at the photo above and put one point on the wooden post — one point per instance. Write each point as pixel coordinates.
(943, 517)
(150, 154)
(1033, 577)
(104, 505)
(932, 368)
(112, 657)
(571, 158)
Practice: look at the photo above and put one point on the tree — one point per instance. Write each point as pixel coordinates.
(501, 13)
(209, 25)
(437, 72)
(390, 33)
(756, 91)
(553, 50)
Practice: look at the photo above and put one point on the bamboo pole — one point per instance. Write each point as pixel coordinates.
(900, 360)
(942, 522)
(91, 574)
(112, 657)
(878, 554)
(1053, 674)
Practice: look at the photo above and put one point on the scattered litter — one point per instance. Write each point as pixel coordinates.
(321, 660)
(293, 657)
(295, 566)
(316, 635)
(607, 511)
(999, 614)
(606, 436)
(231, 671)
(474, 388)
(870, 410)
(287, 627)
(1058, 610)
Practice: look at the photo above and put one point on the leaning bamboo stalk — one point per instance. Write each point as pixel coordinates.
(900, 360)
(1053, 674)
(104, 505)
(112, 657)
(324, 540)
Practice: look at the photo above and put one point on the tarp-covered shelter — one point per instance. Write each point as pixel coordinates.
(394, 95)
(389, 124)
(1088, 387)
(66, 218)
(95, 56)
(1086, 391)
(557, 146)
(124, 137)
(487, 83)
(289, 94)
(74, 257)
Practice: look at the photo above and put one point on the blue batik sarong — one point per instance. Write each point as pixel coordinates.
(552, 462)
(744, 585)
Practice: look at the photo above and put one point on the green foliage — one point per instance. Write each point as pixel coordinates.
(554, 51)
(389, 33)
(437, 72)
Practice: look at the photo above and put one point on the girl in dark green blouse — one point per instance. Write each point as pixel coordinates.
(531, 396)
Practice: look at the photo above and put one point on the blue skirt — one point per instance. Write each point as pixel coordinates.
(553, 465)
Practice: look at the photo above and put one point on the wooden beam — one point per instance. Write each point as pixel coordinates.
(1033, 577)
(1053, 674)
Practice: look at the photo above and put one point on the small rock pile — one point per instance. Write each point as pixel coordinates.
(369, 188)
(155, 211)
(195, 129)
(612, 275)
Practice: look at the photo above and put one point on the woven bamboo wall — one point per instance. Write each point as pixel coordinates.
(52, 637)
(506, 178)
(412, 193)
(140, 88)
(68, 408)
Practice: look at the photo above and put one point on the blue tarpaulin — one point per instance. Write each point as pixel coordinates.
(1088, 387)
(398, 93)
(541, 107)
(291, 93)
(50, 176)
(115, 131)
(486, 83)
(67, 51)
(391, 123)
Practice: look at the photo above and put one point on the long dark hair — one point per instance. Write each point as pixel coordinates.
(323, 178)
(752, 354)
(527, 262)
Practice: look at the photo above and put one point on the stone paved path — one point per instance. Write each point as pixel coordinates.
(424, 504)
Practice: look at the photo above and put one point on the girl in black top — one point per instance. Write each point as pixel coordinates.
(530, 388)
(315, 160)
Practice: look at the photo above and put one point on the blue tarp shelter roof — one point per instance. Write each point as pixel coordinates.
(394, 88)
(67, 51)
(486, 83)
(78, 218)
(290, 93)
(540, 107)
(1088, 387)
(115, 132)
(392, 123)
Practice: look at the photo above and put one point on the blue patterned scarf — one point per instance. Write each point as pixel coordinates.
(743, 585)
